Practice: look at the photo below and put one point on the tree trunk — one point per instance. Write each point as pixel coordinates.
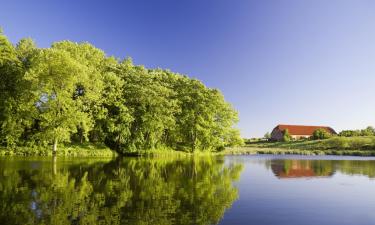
(54, 166)
(54, 150)
(194, 140)
(81, 135)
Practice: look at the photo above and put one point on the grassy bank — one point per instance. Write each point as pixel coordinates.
(83, 150)
(90, 150)
(357, 146)
(166, 152)
(282, 151)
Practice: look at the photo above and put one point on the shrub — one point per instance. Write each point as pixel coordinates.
(336, 143)
(349, 143)
(368, 131)
(286, 135)
(321, 134)
(349, 133)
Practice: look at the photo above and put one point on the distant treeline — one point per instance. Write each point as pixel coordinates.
(369, 131)
(73, 93)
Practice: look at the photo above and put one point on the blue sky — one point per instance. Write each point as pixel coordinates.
(291, 62)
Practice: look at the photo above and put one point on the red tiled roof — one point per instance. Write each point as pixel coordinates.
(297, 173)
(298, 169)
(303, 130)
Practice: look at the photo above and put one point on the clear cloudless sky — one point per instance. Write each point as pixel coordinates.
(293, 62)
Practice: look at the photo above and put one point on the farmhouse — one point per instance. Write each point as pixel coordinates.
(297, 131)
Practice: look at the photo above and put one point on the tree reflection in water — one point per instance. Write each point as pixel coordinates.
(124, 191)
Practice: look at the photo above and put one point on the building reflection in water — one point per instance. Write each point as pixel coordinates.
(302, 168)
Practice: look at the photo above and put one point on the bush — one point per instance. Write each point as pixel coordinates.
(321, 134)
(336, 143)
(368, 131)
(350, 133)
(350, 143)
(286, 135)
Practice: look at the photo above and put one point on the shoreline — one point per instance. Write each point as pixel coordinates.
(77, 152)
(281, 151)
(63, 151)
(339, 146)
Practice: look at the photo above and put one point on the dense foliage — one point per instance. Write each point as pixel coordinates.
(321, 134)
(74, 93)
(286, 136)
(368, 131)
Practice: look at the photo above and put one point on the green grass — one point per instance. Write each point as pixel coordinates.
(90, 150)
(358, 146)
(335, 143)
(282, 151)
(166, 152)
(82, 150)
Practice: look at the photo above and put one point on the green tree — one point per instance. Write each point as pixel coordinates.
(11, 91)
(112, 123)
(54, 77)
(205, 120)
(369, 131)
(286, 136)
(321, 134)
(72, 92)
(92, 90)
(150, 104)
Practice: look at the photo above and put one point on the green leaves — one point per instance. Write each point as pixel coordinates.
(54, 76)
(286, 136)
(321, 134)
(72, 92)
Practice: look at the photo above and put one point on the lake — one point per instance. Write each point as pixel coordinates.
(266, 189)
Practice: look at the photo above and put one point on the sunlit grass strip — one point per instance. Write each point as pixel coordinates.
(283, 151)
(334, 143)
(166, 152)
(70, 151)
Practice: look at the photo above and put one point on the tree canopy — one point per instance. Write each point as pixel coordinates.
(321, 134)
(368, 131)
(74, 93)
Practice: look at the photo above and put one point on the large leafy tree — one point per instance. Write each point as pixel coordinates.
(113, 122)
(150, 104)
(89, 87)
(205, 120)
(54, 77)
(12, 89)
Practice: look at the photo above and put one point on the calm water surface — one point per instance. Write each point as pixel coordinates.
(291, 190)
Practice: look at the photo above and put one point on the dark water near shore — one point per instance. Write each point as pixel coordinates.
(196, 190)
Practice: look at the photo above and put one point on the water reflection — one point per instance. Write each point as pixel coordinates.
(297, 168)
(122, 191)
(302, 168)
(309, 190)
